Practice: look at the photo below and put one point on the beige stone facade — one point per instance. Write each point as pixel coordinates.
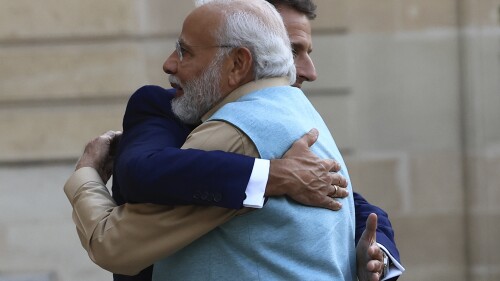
(410, 90)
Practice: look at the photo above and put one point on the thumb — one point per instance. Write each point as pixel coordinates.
(370, 233)
(311, 137)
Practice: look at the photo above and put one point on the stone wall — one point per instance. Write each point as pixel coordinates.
(409, 89)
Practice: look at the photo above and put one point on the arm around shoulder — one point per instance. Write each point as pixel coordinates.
(151, 167)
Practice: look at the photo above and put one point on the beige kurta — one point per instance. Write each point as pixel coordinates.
(126, 239)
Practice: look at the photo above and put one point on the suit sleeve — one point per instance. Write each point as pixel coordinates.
(150, 167)
(385, 233)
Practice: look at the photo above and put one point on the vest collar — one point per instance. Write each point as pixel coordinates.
(247, 89)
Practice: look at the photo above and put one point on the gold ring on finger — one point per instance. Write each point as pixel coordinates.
(336, 189)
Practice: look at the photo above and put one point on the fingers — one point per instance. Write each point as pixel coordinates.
(96, 152)
(338, 186)
(374, 276)
(330, 203)
(375, 253)
(338, 192)
(330, 165)
(311, 137)
(110, 136)
(328, 199)
(375, 267)
(338, 179)
(118, 135)
(114, 143)
(376, 264)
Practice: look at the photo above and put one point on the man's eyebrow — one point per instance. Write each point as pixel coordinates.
(182, 43)
(298, 46)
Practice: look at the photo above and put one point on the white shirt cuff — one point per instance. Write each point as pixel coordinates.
(257, 184)
(395, 268)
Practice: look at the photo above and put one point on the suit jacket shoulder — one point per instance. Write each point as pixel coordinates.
(150, 167)
(149, 100)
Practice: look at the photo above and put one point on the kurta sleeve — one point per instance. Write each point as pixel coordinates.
(128, 238)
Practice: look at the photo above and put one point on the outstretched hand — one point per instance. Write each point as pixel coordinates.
(98, 154)
(306, 178)
(369, 256)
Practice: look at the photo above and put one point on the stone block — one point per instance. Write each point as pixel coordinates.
(432, 247)
(403, 85)
(418, 15)
(3, 237)
(380, 180)
(435, 272)
(37, 236)
(482, 103)
(26, 19)
(331, 59)
(332, 15)
(373, 16)
(401, 16)
(156, 52)
(436, 182)
(482, 13)
(491, 180)
(55, 132)
(336, 111)
(41, 196)
(164, 16)
(410, 183)
(483, 57)
(69, 71)
(484, 231)
(485, 274)
(483, 192)
(48, 246)
(40, 276)
(490, 114)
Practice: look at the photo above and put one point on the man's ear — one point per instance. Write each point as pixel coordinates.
(241, 68)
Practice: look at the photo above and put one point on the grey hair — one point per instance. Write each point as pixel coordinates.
(258, 26)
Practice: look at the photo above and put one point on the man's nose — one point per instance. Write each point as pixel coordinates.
(306, 71)
(170, 65)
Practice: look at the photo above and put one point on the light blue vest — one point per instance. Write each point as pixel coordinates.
(284, 240)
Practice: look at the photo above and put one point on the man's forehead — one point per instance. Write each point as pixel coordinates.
(192, 40)
(198, 26)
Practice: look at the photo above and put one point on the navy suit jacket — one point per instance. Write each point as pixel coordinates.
(150, 168)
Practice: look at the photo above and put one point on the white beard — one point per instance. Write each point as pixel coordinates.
(200, 94)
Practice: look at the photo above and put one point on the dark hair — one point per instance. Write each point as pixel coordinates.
(306, 7)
